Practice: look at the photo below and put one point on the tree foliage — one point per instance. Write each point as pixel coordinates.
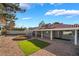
(56, 23)
(41, 23)
(8, 11)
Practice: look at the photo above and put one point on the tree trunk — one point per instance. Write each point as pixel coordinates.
(3, 21)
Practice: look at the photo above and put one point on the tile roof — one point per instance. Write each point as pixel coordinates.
(61, 25)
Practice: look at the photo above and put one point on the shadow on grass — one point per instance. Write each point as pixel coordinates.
(39, 43)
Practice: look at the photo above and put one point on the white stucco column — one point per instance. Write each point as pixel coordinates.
(35, 33)
(31, 33)
(75, 37)
(41, 34)
(51, 37)
(58, 34)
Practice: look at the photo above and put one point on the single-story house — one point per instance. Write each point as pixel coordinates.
(62, 31)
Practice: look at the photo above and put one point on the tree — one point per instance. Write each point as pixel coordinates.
(7, 13)
(11, 25)
(41, 23)
(56, 23)
(11, 22)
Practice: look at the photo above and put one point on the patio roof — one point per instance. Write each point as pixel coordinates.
(60, 25)
(55, 27)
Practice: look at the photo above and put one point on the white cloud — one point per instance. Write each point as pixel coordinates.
(58, 12)
(26, 18)
(25, 5)
(56, 4)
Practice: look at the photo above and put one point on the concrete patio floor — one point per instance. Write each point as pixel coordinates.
(58, 48)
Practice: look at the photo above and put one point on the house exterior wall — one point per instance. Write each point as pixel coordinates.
(39, 34)
(64, 34)
(46, 34)
(55, 34)
(68, 35)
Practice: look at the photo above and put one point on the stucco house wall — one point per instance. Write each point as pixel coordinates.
(64, 35)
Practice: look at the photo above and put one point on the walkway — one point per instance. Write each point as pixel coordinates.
(43, 52)
(9, 47)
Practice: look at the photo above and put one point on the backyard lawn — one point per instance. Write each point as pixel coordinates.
(31, 46)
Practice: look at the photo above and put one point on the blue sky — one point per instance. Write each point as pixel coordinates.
(67, 13)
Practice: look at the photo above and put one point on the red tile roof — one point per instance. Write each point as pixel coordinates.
(61, 25)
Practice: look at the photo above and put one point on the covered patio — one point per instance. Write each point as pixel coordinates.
(57, 33)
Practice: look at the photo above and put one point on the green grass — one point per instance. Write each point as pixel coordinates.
(31, 46)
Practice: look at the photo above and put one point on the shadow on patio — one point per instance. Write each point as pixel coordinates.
(61, 47)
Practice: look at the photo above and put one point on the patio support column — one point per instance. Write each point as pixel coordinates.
(41, 34)
(51, 35)
(35, 33)
(75, 37)
(30, 33)
(58, 34)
